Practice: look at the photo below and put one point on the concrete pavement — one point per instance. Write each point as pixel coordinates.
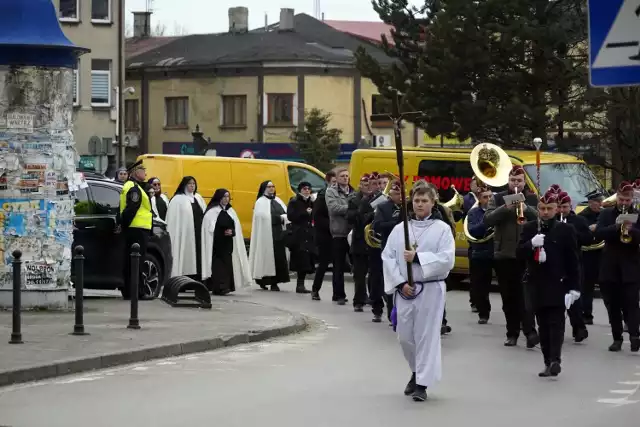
(346, 370)
(50, 351)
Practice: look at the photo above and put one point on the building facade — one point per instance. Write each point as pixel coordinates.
(94, 25)
(252, 86)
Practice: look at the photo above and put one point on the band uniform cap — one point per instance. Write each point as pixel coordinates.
(395, 186)
(365, 178)
(636, 184)
(549, 197)
(374, 175)
(595, 195)
(516, 170)
(563, 198)
(137, 165)
(555, 188)
(625, 187)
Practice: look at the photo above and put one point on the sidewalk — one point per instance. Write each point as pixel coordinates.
(49, 350)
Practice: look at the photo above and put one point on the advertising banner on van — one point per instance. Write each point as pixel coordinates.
(462, 184)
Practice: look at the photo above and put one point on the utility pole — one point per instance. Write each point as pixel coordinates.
(120, 98)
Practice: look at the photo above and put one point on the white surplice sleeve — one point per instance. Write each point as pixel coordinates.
(440, 261)
(392, 259)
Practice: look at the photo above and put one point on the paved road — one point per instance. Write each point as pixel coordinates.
(346, 371)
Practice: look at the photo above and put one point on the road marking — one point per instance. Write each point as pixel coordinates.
(79, 380)
(629, 393)
(140, 368)
(165, 363)
(633, 390)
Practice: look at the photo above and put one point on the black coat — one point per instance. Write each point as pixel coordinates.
(320, 217)
(549, 282)
(580, 224)
(386, 217)
(620, 261)
(302, 239)
(359, 214)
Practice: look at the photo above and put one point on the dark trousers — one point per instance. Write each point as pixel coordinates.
(376, 282)
(575, 316)
(510, 273)
(340, 250)
(621, 300)
(481, 272)
(324, 258)
(590, 272)
(551, 326)
(360, 269)
(141, 237)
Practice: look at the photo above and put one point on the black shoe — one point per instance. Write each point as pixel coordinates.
(511, 342)
(616, 346)
(581, 335)
(263, 287)
(302, 290)
(555, 369)
(145, 297)
(419, 394)
(546, 373)
(275, 288)
(532, 340)
(483, 321)
(445, 329)
(358, 308)
(635, 344)
(411, 385)
(341, 301)
(376, 318)
(315, 296)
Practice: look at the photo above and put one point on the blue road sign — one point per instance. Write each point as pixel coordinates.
(614, 42)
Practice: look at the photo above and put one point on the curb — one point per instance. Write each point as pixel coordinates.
(75, 366)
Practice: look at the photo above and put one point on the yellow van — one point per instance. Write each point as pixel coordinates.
(446, 166)
(242, 177)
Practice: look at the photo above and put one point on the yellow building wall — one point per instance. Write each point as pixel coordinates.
(205, 104)
(280, 84)
(368, 89)
(332, 95)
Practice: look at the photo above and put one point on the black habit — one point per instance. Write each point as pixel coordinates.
(221, 281)
(303, 248)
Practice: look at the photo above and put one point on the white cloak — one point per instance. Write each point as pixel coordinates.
(182, 232)
(261, 259)
(241, 275)
(154, 206)
(420, 319)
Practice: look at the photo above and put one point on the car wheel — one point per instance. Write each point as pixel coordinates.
(151, 276)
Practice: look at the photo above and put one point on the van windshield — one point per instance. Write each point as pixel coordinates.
(298, 175)
(574, 178)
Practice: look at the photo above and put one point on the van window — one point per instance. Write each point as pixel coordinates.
(444, 173)
(574, 178)
(106, 200)
(298, 175)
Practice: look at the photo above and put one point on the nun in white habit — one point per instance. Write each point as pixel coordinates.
(419, 309)
(267, 252)
(184, 223)
(225, 266)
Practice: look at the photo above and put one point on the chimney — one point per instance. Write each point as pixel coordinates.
(286, 20)
(142, 24)
(238, 19)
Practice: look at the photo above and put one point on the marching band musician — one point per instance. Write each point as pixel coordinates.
(386, 217)
(420, 305)
(510, 271)
(584, 236)
(619, 268)
(591, 258)
(553, 285)
(480, 257)
(359, 212)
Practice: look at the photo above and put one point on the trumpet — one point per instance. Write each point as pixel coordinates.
(520, 211)
(624, 233)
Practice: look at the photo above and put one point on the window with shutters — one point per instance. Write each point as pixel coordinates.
(69, 10)
(76, 87)
(234, 110)
(131, 115)
(176, 112)
(100, 83)
(280, 112)
(101, 11)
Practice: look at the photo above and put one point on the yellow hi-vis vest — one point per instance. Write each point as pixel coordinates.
(144, 217)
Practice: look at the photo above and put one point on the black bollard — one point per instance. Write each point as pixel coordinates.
(78, 328)
(16, 332)
(134, 322)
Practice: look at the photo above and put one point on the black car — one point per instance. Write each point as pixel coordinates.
(95, 228)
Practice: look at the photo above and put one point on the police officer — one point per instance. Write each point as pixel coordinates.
(136, 219)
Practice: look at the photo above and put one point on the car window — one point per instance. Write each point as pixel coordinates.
(298, 175)
(106, 200)
(82, 205)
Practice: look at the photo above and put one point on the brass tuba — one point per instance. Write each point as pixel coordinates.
(371, 238)
(491, 165)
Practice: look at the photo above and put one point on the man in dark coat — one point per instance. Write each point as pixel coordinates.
(320, 218)
(510, 269)
(359, 212)
(620, 269)
(590, 258)
(551, 256)
(301, 240)
(584, 236)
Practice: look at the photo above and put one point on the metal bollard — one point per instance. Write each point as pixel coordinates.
(78, 328)
(134, 322)
(16, 331)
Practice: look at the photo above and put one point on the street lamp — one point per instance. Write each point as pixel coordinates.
(38, 151)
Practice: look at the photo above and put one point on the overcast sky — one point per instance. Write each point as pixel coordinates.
(210, 16)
